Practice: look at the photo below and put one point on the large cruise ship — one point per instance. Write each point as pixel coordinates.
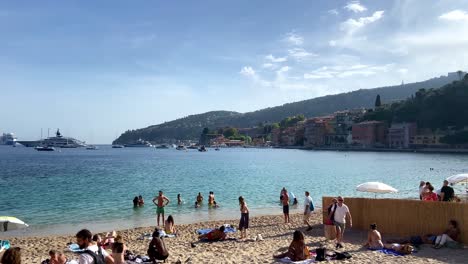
(58, 141)
(7, 139)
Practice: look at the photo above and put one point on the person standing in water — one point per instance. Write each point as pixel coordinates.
(179, 199)
(211, 199)
(160, 201)
(285, 203)
(199, 198)
(244, 221)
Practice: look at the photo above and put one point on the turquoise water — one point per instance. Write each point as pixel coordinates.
(60, 190)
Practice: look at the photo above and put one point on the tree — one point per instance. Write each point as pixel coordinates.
(377, 101)
(230, 132)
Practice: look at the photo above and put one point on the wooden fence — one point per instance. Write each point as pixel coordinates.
(405, 217)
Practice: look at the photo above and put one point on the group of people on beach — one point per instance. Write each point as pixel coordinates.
(444, 194)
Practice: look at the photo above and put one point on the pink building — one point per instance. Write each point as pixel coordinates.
(370, 134)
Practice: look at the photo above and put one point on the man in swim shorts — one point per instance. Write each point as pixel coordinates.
(160, 201)
(285, 203)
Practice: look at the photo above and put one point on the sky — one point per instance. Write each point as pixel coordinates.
(97, 68)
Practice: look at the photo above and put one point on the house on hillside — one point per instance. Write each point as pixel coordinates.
(370, 134)
(316, 131)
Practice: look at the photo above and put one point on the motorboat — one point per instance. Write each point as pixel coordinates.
(118, 146)
(181, 147)
(92, 147)
(58, 141)
(202, 149)
(44, 148)
(163, 146)
(193, 147)
(139, 144)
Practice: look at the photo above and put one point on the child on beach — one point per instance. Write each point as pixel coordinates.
(297, 250)
(244, 221)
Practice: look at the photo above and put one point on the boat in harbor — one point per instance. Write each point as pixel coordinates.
(139, 144)
(181, 147)
(58, 141)
(118, 146)
(163, 146)
(44, 148)
(202, 149)
(8, 139)
(92, 147)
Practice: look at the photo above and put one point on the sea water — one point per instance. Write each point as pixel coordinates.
(62, 191)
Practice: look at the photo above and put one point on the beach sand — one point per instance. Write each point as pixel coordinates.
(276, 235)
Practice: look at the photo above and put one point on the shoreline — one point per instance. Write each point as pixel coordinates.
(421, 150)
(276, 238)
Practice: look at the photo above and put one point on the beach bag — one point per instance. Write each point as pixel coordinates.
(311, 206)
(320, 251)
(97, 258)
(342, 255)
(330, 232)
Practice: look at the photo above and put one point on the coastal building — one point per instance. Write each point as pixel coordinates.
(341, 126)
(316, 130)
(370, 134)
(400, 134)
(427, 140)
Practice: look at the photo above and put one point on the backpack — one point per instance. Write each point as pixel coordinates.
(97, 258)
(320, 251)
(312, 208)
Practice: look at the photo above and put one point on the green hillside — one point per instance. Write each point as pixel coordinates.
(189, 128)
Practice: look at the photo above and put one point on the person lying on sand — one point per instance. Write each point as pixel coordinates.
(402, 249)
(297, 249)
(374, 239)
(214, 235)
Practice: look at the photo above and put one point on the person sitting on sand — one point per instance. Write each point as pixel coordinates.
(141, 202)
(11, 256)
(118, 250)
(451, 234)
(374, 239)
(297, 250)
(169, 226)
(84, 241)
(430, 196)
(109, 239)
(157, 248)
(214, 235)
(57, 257)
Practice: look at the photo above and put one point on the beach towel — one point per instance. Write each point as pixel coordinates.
(288, 260)
(75, 248)
(4, 245)
(389, 252)
(204, 231)
(150, 236)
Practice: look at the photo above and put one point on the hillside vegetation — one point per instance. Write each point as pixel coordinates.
(190, 127)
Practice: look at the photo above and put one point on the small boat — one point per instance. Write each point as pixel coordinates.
(217, 149)
(91, 147)
(181, 147)
(202, 149)
(118, 146)
(44, 148)
(163, 146)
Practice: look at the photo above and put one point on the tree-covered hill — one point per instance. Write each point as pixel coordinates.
(436, 109)
(189, 128)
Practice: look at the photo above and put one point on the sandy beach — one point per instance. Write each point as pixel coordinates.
(276, 235)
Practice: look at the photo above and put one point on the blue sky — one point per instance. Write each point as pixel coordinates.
(97, 68)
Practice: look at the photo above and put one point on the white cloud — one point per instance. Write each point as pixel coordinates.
(269, 66)
(455, 15)
(351, 25)
(273, 59)
(294, 39)
(332, 43)
(300, 53)
(333, 12)
(355, 7)
(283, 69)
(344, 71)
(247, 71)
(403, 71)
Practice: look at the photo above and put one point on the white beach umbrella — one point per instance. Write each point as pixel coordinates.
(8, 223)
(458, 178)
(375, 187)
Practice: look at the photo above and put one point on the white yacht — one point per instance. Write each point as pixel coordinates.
(60, 141)
(139, 144)
(7, 139)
